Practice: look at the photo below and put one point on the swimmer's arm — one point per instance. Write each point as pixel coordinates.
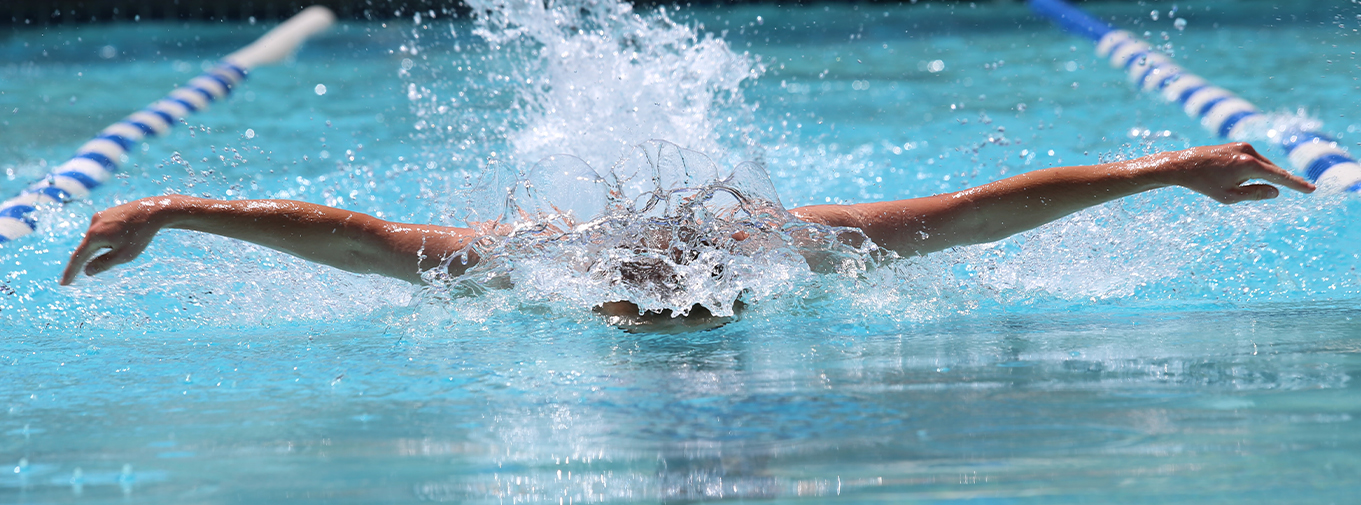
(343, 239)
(995, 211)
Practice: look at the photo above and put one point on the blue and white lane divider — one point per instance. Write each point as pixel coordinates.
(96, 161)
(1316, 156)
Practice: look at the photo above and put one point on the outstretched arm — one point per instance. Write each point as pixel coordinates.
(339, 238)
(1009, 206)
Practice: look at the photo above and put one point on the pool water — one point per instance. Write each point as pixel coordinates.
(1159, 349)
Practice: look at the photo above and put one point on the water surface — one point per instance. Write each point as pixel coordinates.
(1160, 349)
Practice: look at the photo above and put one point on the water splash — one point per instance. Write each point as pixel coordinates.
(1163, 249)
(664, 228)
(1275, 123)
(590, 80)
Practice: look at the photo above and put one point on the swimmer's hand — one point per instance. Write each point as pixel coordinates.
(1000, 209)
(1221, 172)
(121, 233)
(340, 238)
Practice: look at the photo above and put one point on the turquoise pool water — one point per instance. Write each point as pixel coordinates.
(1163, 349)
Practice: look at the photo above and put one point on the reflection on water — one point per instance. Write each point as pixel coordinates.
(530, 412)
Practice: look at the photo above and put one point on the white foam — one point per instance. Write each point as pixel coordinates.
(596, 93)
(659, 229)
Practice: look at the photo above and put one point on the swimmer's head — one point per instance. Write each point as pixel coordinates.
(628, 316)
(650, 273)
(651, 268)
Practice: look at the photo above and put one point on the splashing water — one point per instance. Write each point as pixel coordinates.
(582, 84)
(605, 78)
(596, 84)
(664, 228)
(1265, 131)
(586, 79)
(630, 77)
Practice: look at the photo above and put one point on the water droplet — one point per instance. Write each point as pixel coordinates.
(77, 480)
(250, 133)
(1180, 23)
(320, 89)
(125, 479)
(1153, 15)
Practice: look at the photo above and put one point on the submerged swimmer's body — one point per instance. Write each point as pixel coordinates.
(364, 244)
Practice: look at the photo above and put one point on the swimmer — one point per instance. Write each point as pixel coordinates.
(361, 243)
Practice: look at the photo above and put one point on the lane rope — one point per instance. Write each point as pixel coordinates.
(97, 160)
(1315, 155)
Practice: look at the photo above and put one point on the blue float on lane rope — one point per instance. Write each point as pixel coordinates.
(1315, 155)
(97, 160)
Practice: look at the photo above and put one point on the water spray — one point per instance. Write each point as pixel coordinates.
(1315, 155)
(96, 161)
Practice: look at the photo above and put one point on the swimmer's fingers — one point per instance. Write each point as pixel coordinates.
(116, 256)
(82, 255)
(1259, 167)
(123, 236)
(1272, 173)
(1221, 172)
(1250, 192)
(88, 255)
